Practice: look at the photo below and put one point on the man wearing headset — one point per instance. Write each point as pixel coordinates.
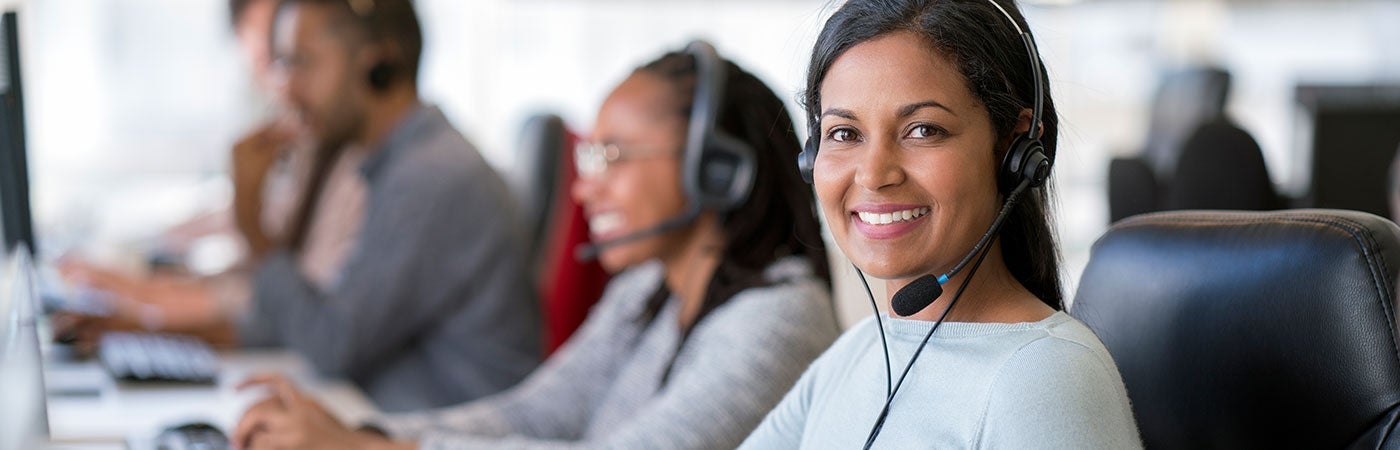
(432, 306)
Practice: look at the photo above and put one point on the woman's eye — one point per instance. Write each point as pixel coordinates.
(842, 135)
(924, 131)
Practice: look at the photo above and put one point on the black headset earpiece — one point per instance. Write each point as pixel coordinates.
(1024, 160)
(719, 169)
(381, 76)
(807, 159)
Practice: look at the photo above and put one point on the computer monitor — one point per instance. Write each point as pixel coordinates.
(1355, 133)
(24, 409)
(16, 223)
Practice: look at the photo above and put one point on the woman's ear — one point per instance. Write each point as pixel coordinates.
(1023, 123)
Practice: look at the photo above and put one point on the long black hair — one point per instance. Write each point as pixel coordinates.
(779, 217)
(992, 58)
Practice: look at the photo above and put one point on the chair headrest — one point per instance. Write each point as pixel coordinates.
(1221, 167)
(1247, 329)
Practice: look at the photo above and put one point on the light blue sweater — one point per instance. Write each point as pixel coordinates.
(1046, 384)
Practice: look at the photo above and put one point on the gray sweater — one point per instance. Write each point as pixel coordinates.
(601, 390)
(1049, 384)
(433, 307)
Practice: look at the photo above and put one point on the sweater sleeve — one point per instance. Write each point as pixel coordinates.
(730, 375)
(555, 400)
(1057, 393)
(784, 425)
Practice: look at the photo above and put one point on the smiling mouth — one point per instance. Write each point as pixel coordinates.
(605, 223)
(891, 217)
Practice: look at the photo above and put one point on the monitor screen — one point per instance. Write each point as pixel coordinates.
(16, 223)
(1356, 133)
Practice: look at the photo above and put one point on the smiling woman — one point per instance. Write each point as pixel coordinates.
(931, 135)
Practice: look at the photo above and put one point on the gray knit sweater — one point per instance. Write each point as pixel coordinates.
(603, 388)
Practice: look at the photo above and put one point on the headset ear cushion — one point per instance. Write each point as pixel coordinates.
(807, 160)
(1011, 164)
(1036, 167)
(1025, 160)
(381, 75)
(726, 172)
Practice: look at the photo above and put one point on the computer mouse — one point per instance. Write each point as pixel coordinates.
(192, 436)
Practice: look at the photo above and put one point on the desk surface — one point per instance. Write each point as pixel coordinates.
(86, 406)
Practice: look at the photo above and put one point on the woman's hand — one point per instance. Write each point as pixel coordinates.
(288, 419)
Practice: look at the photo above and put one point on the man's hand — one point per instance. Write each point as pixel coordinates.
(253, 157)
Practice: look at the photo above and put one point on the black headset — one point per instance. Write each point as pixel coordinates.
(1025, 158)
(381, 74)
(719, 168)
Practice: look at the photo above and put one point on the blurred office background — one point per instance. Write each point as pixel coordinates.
(133, 104)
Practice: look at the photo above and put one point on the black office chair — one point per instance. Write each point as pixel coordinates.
(1252, 330)
(1184, 100)
(1132, 188)
(536, 175)
(1392, 194)
(1221, 167)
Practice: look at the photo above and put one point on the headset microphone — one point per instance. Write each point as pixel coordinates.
(917, 295)
(590, 251)
(920, 293)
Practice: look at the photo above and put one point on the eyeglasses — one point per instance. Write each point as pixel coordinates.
(591, 159)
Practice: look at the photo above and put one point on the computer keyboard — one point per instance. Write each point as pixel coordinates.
(195, 436)
(149, 357)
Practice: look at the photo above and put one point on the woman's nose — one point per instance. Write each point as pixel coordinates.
(879, 166)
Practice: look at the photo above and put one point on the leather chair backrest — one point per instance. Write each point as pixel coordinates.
(1132, 188)
(536, 173)
(1184, 100)
(1251, 330)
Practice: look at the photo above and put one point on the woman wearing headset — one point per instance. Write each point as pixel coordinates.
(716, 312)
(921, 115)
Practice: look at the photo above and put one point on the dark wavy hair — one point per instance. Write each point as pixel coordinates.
(992, 58)
(779, 217)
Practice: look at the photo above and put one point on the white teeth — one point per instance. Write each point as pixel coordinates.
(604, 223)
(891, 217)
